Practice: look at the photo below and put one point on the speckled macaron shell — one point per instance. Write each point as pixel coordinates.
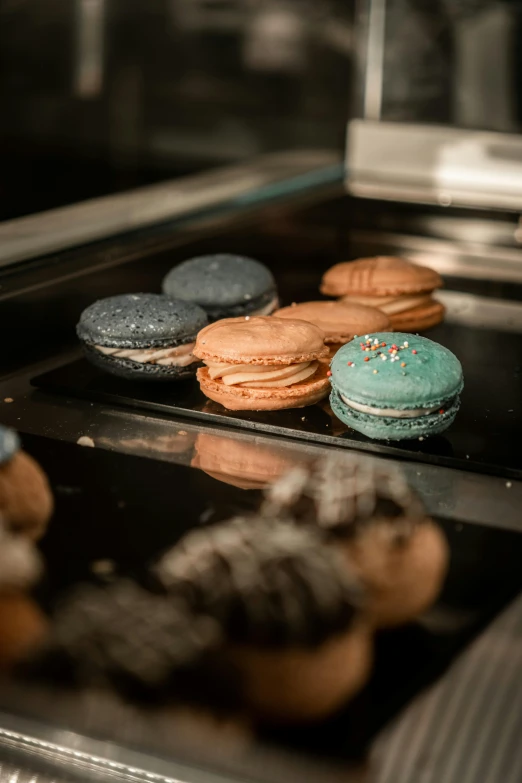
(139, 321)
(431, 377)
(9, 444)
(379, 276)
(261, 340)
(339, 321)
(224, 285)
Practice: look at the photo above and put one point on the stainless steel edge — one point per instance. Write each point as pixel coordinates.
(434, 164)
(97, 219)
(464, 258)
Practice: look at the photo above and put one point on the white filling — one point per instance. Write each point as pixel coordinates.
(267, 309)
(180, 356)
(391, 305)
(253, 376)
(412, 413)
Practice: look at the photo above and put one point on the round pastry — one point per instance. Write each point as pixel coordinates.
(340, 322)
(398, 287)
(224, 285)
(288, 606)
(22, 628)
(396, 386)
(142, 336)
(262, 363)
(244, 464)
(22, 625)
(26, 501)
(367, 509)
(265, 604)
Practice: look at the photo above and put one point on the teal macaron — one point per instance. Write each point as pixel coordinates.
(395, 386)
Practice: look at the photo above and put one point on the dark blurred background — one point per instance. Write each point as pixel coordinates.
(98, 96)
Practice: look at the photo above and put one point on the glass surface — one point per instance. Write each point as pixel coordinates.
(451, 62)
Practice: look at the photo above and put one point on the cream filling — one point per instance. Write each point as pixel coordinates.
(411, 413)
(251, 376)
(180, 356)
(267, 309)
(391, 305)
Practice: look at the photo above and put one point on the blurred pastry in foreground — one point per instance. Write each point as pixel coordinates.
(242, 463)
(339, 321)
(289, 609)
(22, 625)
(26, 501)
(401, 289)
(255, 614)
(262, 363)
(368, 510)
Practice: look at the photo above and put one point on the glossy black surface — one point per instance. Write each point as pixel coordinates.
(126, 509)
(485, 436)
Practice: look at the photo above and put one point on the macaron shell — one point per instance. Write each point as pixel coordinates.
(260, 340)
(430, 377)
(237, 398)
(9, 444)
(388, 428)
(379, 276)
(419, 318)
(339, 321)
(140, 321)
(220, 280)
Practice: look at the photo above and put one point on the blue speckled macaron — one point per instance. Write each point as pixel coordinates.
(396, 386)
(142, 336)
(225, 286)
(9, 444)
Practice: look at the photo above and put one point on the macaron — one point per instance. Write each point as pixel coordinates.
(396, 386)
(224, 285)
(339, 321)
(401, 289)
(262, 363)
(26, 501)
(142, 336)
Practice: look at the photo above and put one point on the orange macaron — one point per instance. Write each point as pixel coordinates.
(401, 289)
(340, 321)
(262, 363)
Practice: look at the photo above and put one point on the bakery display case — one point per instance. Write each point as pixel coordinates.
(170, 507)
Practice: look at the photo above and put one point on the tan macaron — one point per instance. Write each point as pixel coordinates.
(340, 321)
(262, 363)
(398, 287)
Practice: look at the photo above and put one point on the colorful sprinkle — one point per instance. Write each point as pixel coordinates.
(406, 345)
(329, 373)
(403, 364)
(375, 372)
(366, 358)
(441, 411)
(383, 357)
(414, 351)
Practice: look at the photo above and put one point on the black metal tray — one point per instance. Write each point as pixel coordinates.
(485, 436)
(129, 509)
